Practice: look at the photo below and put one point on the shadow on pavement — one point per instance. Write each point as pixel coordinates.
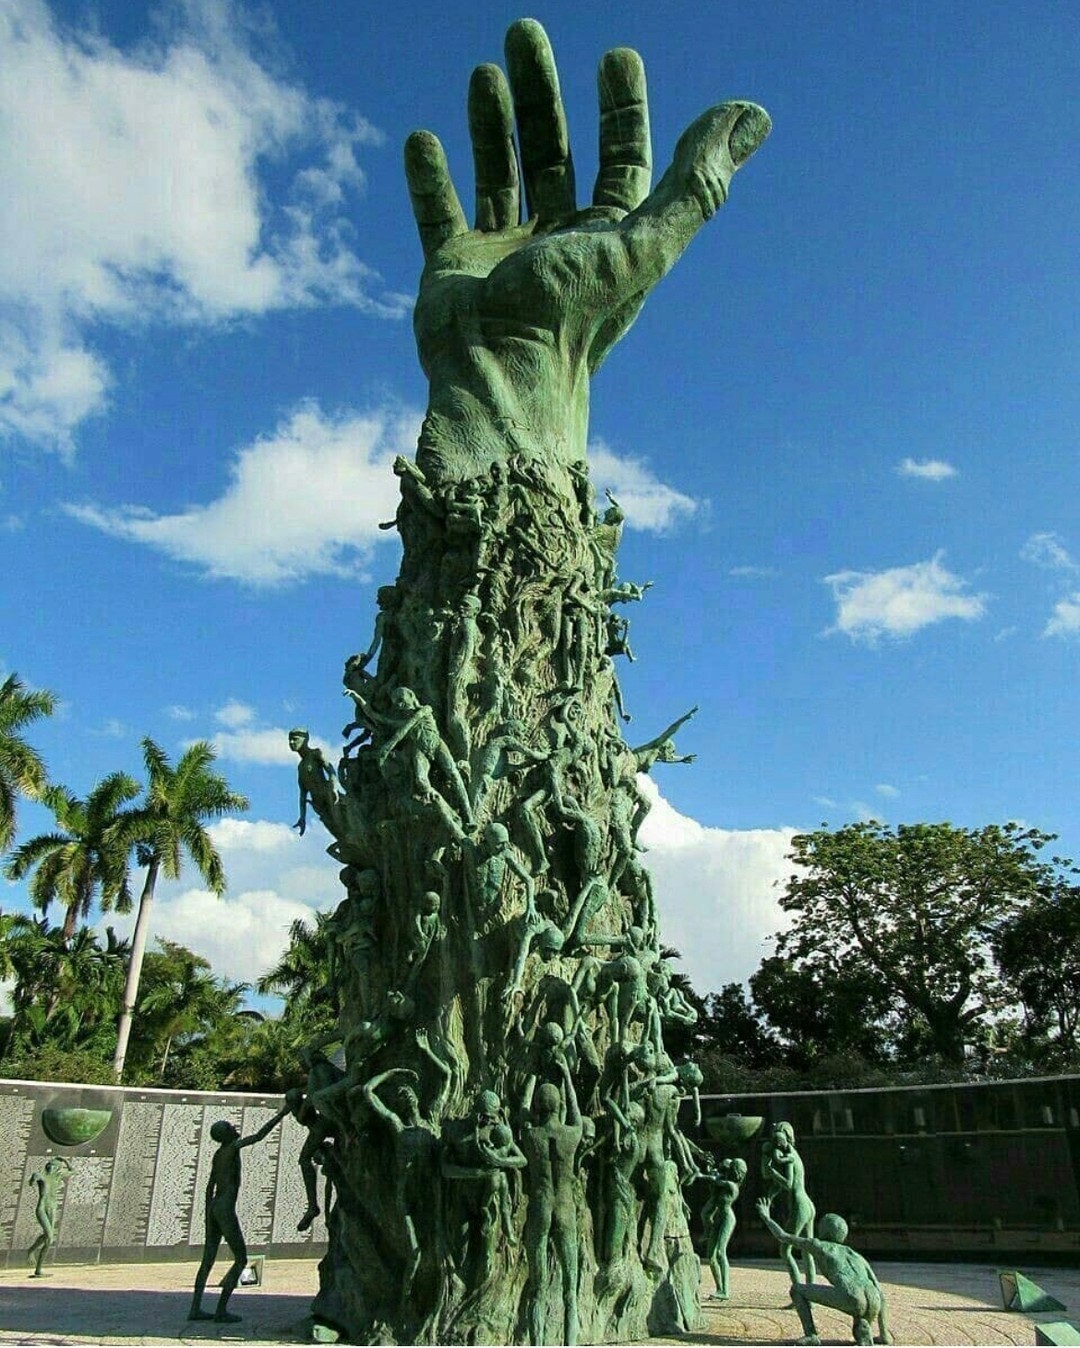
(62, 1311)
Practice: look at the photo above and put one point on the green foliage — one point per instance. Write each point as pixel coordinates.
(1038, 954)
(66, 989)
(169, 825)
(184, 1013)
(51, 1062)
(86, 856)
(821, 1008)
(22, 771)
(303, 974)
(915, 910)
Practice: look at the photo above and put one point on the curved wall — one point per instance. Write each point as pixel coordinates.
(136, 1190)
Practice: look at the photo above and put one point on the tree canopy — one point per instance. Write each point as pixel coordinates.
(22, 771)
(914, 909)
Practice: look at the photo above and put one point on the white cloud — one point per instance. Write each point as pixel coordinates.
(266, 745)
(900, 601)
(275, 877)
(884, 789)
(304, 501)
(242, 935)
(752, 572)
(234, 714)
(649, 504)
(1048, 551)
(270, 745)
(716, 890)
(250, 835)
(136, 191)
(179, 713)
(1066, 619)
(931, 470)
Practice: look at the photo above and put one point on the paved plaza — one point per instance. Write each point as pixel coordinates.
(148, 1303)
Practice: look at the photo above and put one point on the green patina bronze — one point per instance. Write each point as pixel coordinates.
(74, 1127)
(852, 1289)
(503, 1137)
(47, 1181)
(221, 1222)
(718, 1218)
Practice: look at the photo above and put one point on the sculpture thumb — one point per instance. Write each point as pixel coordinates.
(749, 132)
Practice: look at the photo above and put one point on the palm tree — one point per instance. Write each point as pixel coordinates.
(66, 988)
(21, 770)
(185, 1001)
(87, 854)
(170, 822)
(302, 976)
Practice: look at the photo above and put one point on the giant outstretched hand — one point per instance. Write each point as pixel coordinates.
(513, 317)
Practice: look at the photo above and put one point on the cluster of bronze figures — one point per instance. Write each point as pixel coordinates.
(852, 1286)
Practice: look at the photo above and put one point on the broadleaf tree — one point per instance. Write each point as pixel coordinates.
(917, 908)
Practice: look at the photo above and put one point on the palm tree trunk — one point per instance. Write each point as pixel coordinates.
(134, 973)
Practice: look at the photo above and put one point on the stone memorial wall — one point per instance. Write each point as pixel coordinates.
(136, 1188)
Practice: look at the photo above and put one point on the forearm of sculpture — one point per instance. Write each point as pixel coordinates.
(265, 1130)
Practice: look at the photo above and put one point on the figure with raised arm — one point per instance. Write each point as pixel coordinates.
(414, 1137)
(718, 1218)
(550, 1142)
(48, 1181)
(222, 1223)
(855, 1290)
(318, 783)
(319, 1131)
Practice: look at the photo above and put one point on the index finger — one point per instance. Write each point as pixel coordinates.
(625, 172)
(434, 199)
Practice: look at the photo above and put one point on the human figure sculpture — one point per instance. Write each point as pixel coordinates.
(550, 1143)
(661, 749)
(855, 1290)
(47, 1181)
(461, 675)
(782, 1172)
(222, 1223)
(414, 1136)
(414, 730)
(319, 1131)
(318, 783)
(496, 860)
(425, 929)
(481, 1151)
(623, 1155)
(718, 1218)
(496, 760)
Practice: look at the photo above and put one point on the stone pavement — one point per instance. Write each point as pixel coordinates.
(148, 1303)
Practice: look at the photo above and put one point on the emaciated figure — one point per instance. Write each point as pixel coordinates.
(718, 1216)
(855, 1289)
(222, 1223)
(318, 782)
(550, 1144)
(48, 1180)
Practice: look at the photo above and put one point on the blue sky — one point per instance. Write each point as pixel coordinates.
(844, 427)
